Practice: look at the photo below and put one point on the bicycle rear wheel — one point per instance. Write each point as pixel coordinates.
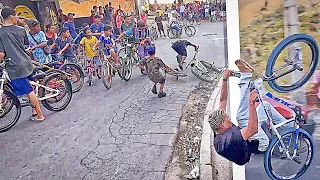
(202, 73)
(276, 168)
(9, 102)
(61, 83)
(312, 54)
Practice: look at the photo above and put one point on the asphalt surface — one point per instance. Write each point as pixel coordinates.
(122, 133)
(255, 167)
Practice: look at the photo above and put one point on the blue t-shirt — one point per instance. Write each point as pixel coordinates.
(106, 40)
(61, 44)
(95, 28)
(72, 29)
(231, 145)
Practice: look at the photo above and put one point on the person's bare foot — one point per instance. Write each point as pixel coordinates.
(242, 66)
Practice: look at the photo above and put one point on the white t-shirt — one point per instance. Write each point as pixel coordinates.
(172, 16)
(182, 8)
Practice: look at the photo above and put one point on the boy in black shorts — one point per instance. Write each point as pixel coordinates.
(18, 64)
(153, 65)
(180, 47)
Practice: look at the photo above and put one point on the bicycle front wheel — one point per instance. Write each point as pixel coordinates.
(202, 73)
(106, 75)
(62, 99)
(190, 31)
(10, 111)
(302, 54)
(126, 68)
(276, 163)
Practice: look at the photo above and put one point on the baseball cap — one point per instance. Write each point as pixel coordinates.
(216, 118)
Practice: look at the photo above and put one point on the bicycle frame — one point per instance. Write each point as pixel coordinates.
(258, 85)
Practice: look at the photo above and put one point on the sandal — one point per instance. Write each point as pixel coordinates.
(34, 115)
(36, 119)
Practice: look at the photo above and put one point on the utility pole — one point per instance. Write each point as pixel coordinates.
(291, 26)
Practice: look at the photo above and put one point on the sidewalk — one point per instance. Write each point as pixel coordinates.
(212, 165)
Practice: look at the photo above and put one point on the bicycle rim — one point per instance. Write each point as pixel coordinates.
(77, 78)
(63, 99)
(202, 74)
(280, 169)
(127, 68)
(272, 60)
(106, 75)
(11, 111)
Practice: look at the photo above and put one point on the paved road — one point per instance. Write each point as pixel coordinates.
(255, 168)
(122, 133)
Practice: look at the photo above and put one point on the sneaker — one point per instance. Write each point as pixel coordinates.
(154, 89)
(162, 94)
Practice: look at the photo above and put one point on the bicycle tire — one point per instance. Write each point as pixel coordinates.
(126, 69)
(67, 91)
(195, 69)
(210, 66)
(171, 34)
(15, 103)
(73, 66)
(276, 52)
(192, 30)
(106, 75)
(274, 142)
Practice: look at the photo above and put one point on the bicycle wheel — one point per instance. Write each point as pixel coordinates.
(126, 69)
(9, 101)
(77, 78)
(202, 73)
(106, 75)
(171, 33)
(210, 66)
(190, 31)
(198, 21)
(279, 170)
(57, 82)
(89, 76)
(271, 70)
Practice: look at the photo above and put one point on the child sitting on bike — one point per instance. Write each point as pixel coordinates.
(109, 42)
(238, 143)
(88, 42)
(141, 35)
(63, 43)
(153, 65)
(18, 62)
(180, 47)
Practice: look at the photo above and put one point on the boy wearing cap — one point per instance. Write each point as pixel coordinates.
(153, 65)
(238, 143)
(13, 40)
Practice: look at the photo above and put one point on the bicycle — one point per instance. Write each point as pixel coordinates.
(92, 70)
(203, 70)
(172, 31)
(288, 141)
(73, 72)
(129, 56)
(49, 89)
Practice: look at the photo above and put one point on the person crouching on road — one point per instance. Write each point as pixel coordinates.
(153, 65)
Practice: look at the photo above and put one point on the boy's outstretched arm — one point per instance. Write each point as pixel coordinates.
(224, 91)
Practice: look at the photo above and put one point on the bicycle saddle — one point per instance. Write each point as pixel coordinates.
(39, 76)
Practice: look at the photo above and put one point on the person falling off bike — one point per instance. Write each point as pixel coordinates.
(180, 47)
(238, 143)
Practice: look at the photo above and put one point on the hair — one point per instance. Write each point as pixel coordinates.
(100, 7)
(94, 7)
(63, 30)
(85, 30)
(60, 10)
(151, 50)
(216, 118)
(85, 24)
(107, 28)
(97, 17)
(48, 26)
(7, 12)
(33, 23)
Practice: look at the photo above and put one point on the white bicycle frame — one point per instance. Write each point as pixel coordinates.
(258, 84)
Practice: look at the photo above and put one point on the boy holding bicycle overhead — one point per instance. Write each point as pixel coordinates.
(109, 42)
(18, 63)
(238, 143)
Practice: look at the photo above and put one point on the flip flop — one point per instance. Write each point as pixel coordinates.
(36, 119)
(34, 115)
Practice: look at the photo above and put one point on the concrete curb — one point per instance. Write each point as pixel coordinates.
(212, 165)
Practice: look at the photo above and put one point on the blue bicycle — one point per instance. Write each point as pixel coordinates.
(294, 144)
